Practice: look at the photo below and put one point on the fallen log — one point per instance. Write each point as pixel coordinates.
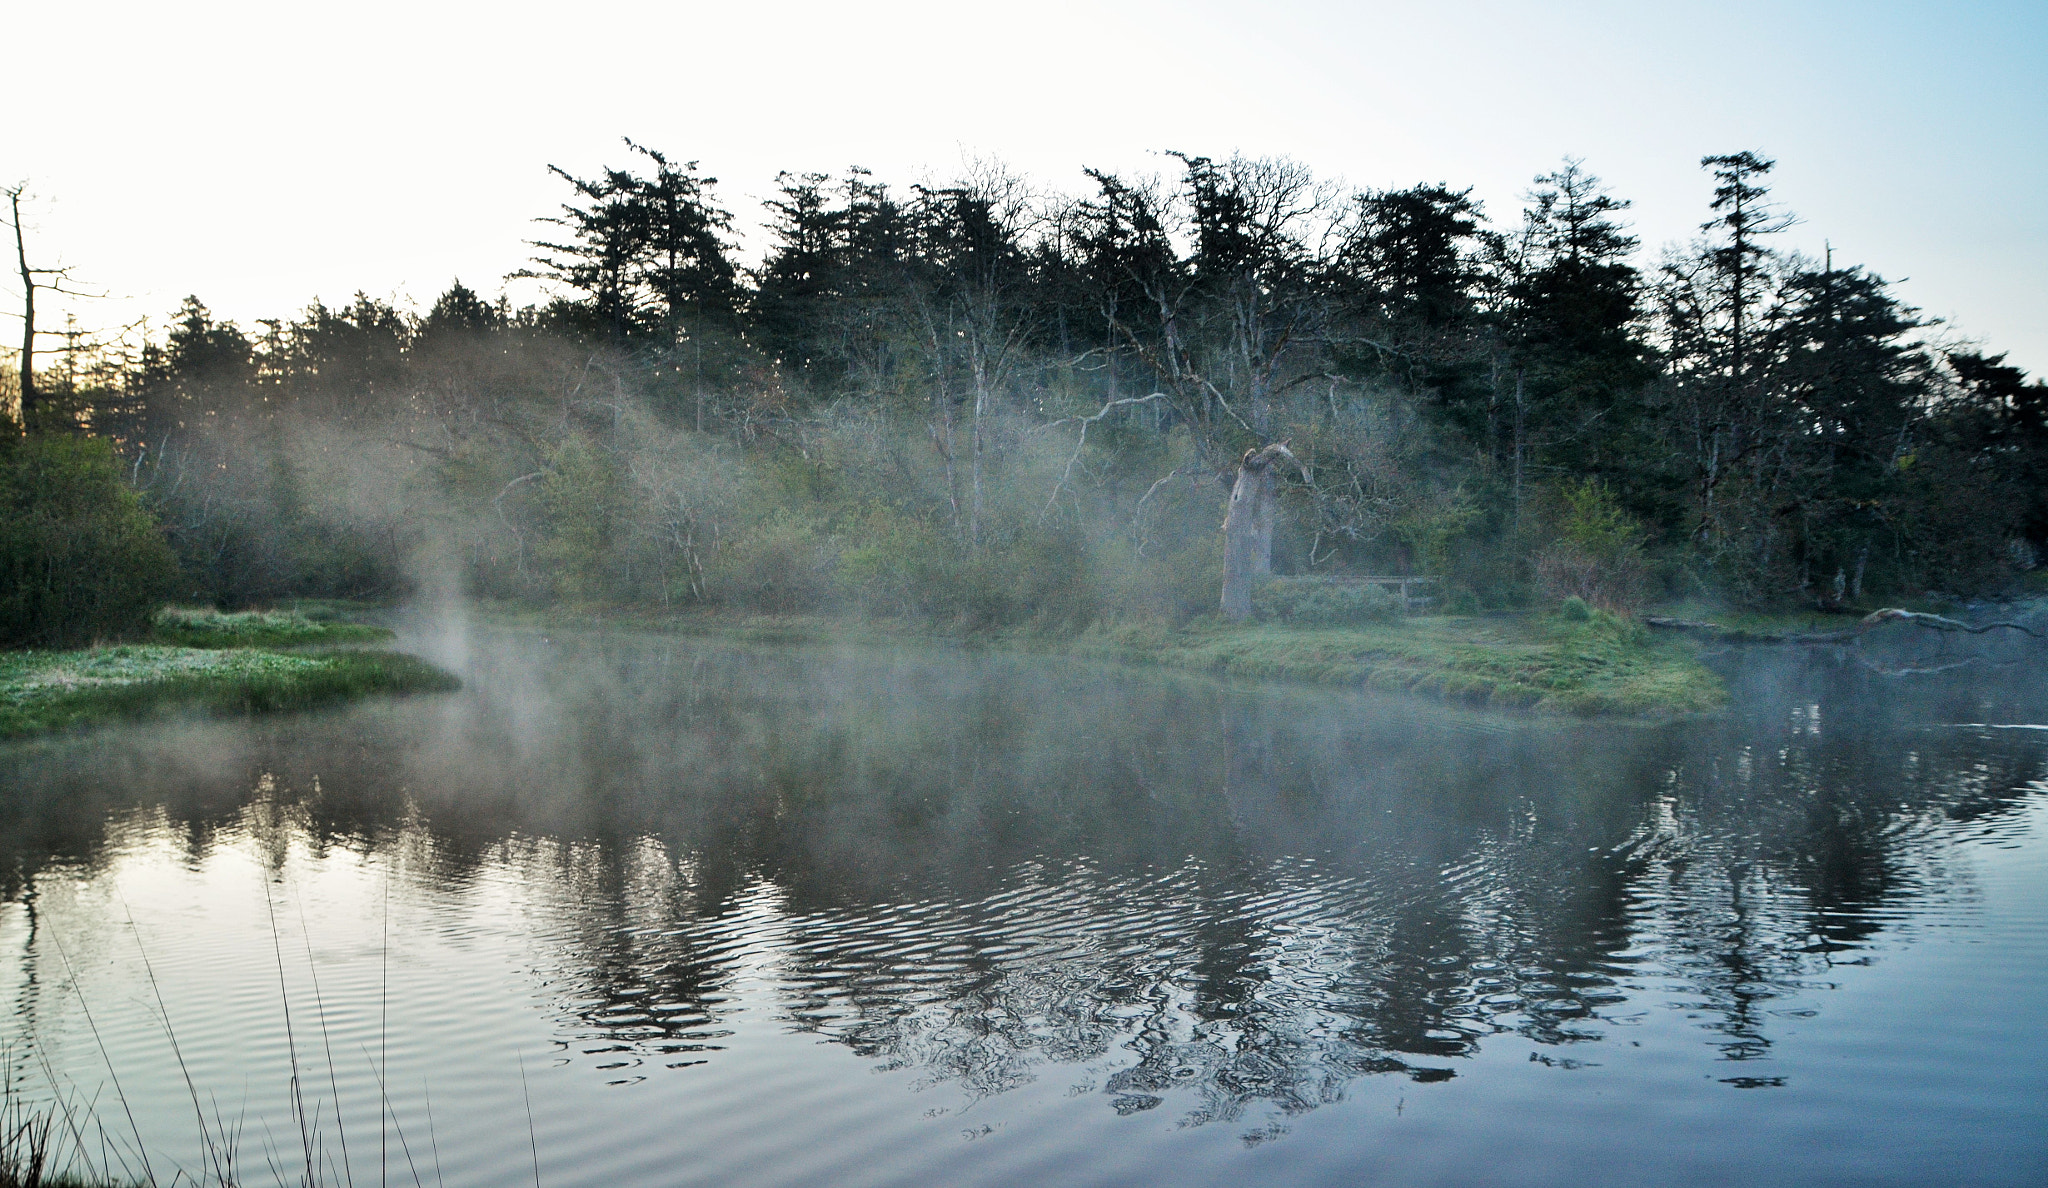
(1937, 622)
(1869, 622)
(1671, 624)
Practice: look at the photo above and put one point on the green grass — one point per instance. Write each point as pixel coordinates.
(42, 692)
(1604, 666)
(202, 627)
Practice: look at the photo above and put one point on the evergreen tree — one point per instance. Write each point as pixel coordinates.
(2000, 420)
(1743, 216)
(682, 261)
(801, 275)
(600, 256)
(1571, 321)
(1849, 385)
(459, 312)
(1411, 256)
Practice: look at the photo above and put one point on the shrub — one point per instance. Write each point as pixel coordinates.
(1324, 602)
(1575, 610)
(580, 493)
(204, 627)
(896, 563)
(783, 566)
(1042, 576)
(80, 558)
(1597, 556)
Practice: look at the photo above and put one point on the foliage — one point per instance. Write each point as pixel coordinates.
(1324, 601)
(80, 559)
(982, 404)
(1596, 557)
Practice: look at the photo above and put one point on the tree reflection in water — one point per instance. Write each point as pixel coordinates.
(1158, 890)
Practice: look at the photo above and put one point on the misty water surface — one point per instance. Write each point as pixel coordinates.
(714, 915)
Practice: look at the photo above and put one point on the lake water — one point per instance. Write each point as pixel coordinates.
(645, 910)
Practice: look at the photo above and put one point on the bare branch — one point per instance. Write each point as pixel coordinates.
(1083, 440)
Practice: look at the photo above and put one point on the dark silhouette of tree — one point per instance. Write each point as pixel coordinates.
(606, 240)
(1745, 215)
(1570, 314)
(646, 252)
(459, 311)
(1411, 256)
(683, 264)
(1848, 383)
(30, 397)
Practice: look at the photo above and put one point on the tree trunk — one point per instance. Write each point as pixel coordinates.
(980, 406)
(1248, 528)
(28, 315)
(1521, 441)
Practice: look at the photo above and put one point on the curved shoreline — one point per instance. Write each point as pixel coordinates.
(49, 692)
(1603, 667)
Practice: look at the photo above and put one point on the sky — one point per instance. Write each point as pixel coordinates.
(262, 155)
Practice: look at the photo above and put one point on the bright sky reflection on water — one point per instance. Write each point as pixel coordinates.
(792, 917)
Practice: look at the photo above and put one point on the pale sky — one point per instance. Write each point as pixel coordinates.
(262, 155)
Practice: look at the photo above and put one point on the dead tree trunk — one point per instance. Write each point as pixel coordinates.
(27, 369)
(1248, 527)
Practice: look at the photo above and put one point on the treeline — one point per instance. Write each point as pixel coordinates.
(981, 400)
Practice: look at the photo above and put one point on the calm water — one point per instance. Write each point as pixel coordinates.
(728, 916)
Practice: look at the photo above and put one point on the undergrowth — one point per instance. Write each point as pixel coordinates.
(200, 627)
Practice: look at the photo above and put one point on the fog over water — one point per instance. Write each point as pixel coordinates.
(786, 916)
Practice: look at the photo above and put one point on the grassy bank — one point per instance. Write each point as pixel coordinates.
(192, 627)
(1597, 666)
(1600, 666)
(47, 691)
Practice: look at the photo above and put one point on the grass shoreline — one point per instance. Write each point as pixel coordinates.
(268, 661)
(1600, 667)
(207, 663)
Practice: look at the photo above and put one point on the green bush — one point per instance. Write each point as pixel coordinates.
(1324, 602)
(895, 563)
(204, 627)
(580, 493)
(1597, 554)
(80, 558)
(784, 565)
(1575, 610)
(1042, 576)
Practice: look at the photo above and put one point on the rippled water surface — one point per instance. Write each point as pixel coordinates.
(713, 915)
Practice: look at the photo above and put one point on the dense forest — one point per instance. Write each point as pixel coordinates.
(992, 404)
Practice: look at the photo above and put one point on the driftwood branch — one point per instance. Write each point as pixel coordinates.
(1937, 622)
(1931, 670)
(1869, 622)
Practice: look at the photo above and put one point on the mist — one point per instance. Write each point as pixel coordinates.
(847, 755)
(991, 404)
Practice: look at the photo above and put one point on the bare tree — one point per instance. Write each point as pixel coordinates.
(1248, 526)
(51, 279)
(977, 232)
